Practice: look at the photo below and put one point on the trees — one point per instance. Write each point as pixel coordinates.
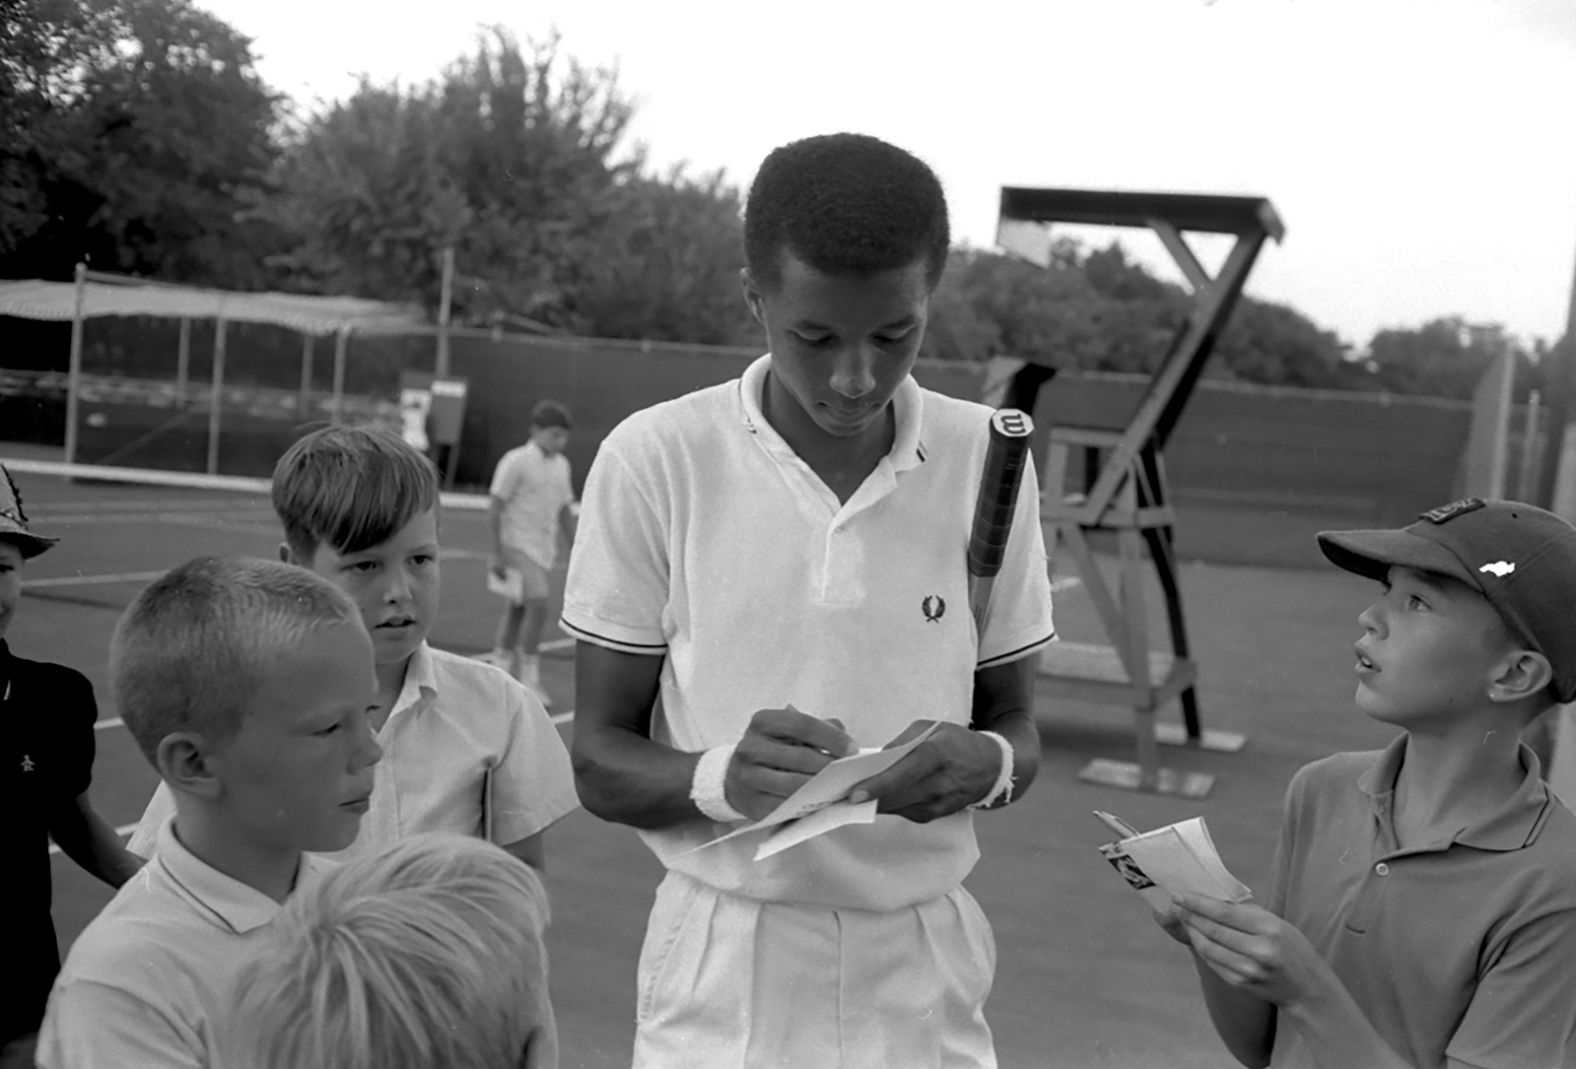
(511, 158)
(146, 133)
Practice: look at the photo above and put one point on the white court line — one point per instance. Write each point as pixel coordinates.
(90, 580)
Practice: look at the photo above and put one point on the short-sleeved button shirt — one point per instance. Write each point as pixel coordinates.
(46, 760)
(1462, 948)
(534, 489)
(704, 538)
(466, 749)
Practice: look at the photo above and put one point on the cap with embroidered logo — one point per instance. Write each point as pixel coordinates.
(13, 521)
(1520, 557)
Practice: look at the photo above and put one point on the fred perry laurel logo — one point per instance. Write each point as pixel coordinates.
(1498, 569)
(934, 607)
(27, 763)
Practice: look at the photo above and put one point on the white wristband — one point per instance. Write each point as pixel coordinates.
(708, 790)
(1001, 791)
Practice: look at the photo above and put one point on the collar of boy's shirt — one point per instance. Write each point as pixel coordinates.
(239, 907)
(908, 407)
(421, 681)
(1513, 825)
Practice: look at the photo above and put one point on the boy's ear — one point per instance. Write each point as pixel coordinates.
(1522, 674)
(183, 763)
(286, 554)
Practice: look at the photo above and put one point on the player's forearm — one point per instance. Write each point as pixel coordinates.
(629, 779)
(1244, 1022)
(495, 525)
(1003, 703)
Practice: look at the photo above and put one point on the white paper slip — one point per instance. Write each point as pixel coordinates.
(511, 586)
(828, 787)
(1178, 858)
(837, 815)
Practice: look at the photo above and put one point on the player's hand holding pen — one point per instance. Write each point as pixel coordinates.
(947, 772)
(780, 750)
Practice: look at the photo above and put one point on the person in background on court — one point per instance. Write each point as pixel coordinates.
(246, 684)
(532, 501)
(1422, 907)
(47, 713)
(466, 748)
(771, 573)
(425, 955)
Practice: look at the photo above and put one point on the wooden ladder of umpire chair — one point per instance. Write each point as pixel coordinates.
(1126, 500)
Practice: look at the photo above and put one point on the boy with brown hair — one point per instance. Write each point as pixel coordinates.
(1422, 911)
(46, 764)
(246, 684)
(466, 748)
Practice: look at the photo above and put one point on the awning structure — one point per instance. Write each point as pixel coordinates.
(57, 301)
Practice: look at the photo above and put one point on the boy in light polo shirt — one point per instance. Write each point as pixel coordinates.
(466, 748)
(771, 572)
(532, 501)
(246, 683)
(1422, 911)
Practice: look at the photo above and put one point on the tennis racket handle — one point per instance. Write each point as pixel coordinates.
(1005, 459)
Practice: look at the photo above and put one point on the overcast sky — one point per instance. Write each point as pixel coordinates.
(1420, 152)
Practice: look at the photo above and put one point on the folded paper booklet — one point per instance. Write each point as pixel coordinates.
(1177, 858)
(821, 804)
(511, 586)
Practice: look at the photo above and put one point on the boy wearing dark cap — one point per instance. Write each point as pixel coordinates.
(1422, 910)
(46, 763)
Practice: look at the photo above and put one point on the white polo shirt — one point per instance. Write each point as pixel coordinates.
(463, 739)
(704, 538)
(148, 984)
(534, 489)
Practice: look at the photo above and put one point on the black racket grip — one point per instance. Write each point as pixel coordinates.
(1005, 459)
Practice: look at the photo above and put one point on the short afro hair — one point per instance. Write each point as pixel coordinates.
(845, 204)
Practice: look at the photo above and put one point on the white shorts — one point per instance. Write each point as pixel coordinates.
(730, 981)
(533, 577)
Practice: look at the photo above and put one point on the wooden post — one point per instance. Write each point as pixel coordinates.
(216, 399)
(183, 356)
(337, 404)
(304, 397)
(74, 374)
(443, 312)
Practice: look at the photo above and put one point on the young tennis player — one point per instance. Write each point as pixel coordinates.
(46, 765)
(1422, 911)
(246, 684)
(466, 748)
(771, 572)
(427, 954)
(532, 503)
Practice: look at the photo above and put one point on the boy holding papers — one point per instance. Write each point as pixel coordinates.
(1422, 911)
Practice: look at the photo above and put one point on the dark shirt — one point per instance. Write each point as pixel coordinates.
(46, 760)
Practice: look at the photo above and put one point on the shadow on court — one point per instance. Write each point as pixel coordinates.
(1084, 977)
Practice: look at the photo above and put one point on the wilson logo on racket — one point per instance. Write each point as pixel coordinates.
(934, 607)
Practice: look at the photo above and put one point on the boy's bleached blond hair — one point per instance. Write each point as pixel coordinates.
(350, 488)
(427, 954)
(193, 646)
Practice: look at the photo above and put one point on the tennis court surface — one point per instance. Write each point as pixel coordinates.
(1085, 978)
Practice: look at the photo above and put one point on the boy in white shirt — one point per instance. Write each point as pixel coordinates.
(532, 502)
(466, 748)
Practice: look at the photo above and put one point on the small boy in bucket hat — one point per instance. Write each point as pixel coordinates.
(46, 764)
(1422, 909)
